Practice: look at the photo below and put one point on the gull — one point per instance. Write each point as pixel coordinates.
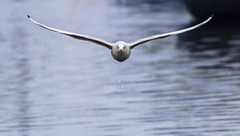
(120, 50)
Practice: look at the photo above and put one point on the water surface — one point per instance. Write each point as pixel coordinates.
(51, 84)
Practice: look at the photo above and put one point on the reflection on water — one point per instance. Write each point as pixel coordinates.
(54, 85)
(217, 41)
(214, 35)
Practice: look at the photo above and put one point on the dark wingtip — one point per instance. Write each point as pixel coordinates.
(28, 16)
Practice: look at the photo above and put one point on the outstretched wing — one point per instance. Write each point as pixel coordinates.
(160, 36)
(77, 36)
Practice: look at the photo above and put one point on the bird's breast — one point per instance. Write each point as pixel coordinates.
(120, 56)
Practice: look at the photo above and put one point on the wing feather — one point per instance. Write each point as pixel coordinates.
(77, 36)
(160, 36)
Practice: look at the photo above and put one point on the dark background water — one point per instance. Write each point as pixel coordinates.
(50, 84)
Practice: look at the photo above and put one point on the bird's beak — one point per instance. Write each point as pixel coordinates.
(121, 49)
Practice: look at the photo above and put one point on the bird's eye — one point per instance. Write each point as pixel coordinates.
(123, 47)
(117, 47)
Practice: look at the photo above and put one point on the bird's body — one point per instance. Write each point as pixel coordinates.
(120, 50)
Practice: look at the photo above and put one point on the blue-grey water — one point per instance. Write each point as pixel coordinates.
(53, 85)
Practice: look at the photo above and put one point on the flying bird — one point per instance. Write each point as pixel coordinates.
(120, 50)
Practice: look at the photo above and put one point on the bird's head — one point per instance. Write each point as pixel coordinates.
(121, 47)
(121, 51)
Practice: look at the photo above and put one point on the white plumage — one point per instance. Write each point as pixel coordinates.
(120, 50)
